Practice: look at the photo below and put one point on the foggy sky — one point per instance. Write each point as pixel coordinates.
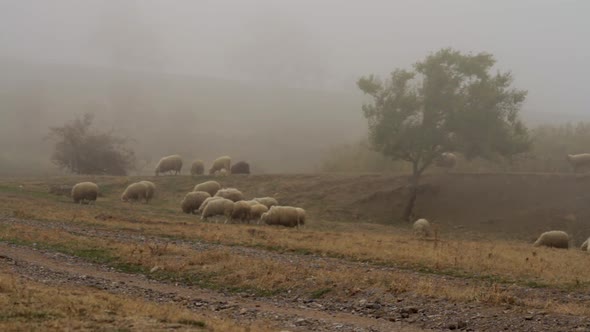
(313, 44)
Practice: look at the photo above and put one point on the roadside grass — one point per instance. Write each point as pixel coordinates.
(31, 306)
(498, 261)
(220, 269)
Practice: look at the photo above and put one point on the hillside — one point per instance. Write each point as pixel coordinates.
(343, 271)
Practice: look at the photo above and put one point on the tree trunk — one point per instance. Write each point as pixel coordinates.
(414, 181)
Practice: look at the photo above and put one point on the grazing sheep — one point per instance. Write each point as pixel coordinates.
(171, 163)
(210, 186)
(555, 239)
(198, 167)
(232, 194)
(256, 210)
(241, 211)
(287, 216)
(218, 207)
(85, 192)
(221, 172)
(219, 163)
(151, 190)
(266, 201)
(421, 228)
(446, 160)
(302, 216)
(135, 191)
(584, 245)
(579, 160)
(241, 167)
(193, 201)
(206, 201)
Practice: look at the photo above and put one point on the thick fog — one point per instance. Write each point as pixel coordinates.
(261, 79)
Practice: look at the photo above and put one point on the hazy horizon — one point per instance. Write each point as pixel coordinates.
(237, 64)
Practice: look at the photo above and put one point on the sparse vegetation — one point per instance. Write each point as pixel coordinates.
(81, 149)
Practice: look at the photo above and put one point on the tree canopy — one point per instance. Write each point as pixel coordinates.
(82, 150)
(448, 102)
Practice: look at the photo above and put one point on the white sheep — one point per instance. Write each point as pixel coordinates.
(206, 201)
(197, 167)
(232, 194)
(287, 216)
(266, 201)
(241, 211)
(209, 186)
(578, 160)
(136, 192)
(151, 190)
(256, 210)
(219, 163)
(218, 207)
(422, 228)
(555, 239)
(585, 246)
(85, 192)
(193, 201)
(171, 163)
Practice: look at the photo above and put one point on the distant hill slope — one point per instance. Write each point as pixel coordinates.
(277, 129)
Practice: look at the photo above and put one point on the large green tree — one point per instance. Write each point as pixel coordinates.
(450, 101)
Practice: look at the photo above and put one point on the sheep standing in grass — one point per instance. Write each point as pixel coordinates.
(193, 201)
(241, 211)
(266, 201)
(209, 186)
(135, 192)
(585, 246)
(197, 168)
(151, 190)
(232, 194)
(218, 207)
(422, 228)
(241, 167)
(302, 215)
(282, 215)
(206, 201)
(219, 163)
(578, 161)
(171, 163)
(85, 192)
(554, 239)
(256, 210)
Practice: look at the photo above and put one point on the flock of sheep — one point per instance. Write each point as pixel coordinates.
(221, 166)
(552, 239)
(208, 199)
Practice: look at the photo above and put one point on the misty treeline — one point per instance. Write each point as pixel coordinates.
(550, 145)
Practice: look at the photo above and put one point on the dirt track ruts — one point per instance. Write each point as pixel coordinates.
(369, 311)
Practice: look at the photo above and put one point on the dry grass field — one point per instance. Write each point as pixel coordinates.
(353, 267)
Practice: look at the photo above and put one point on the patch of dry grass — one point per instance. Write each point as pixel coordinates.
(220, 268)
(27, 305)
(496, 262)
